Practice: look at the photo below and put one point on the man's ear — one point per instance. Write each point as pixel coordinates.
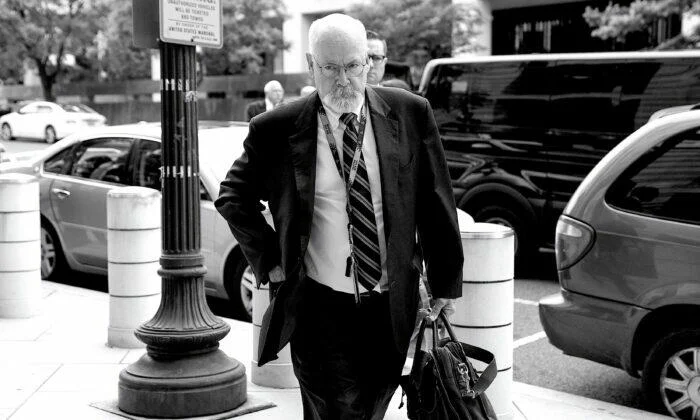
(310, 63)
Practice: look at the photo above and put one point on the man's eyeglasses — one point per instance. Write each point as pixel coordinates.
(333, 70)
(376, 58)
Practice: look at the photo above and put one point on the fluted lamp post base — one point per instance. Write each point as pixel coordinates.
(193, 386)
(184, 373)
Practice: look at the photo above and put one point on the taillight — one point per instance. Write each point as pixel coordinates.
(573, 239)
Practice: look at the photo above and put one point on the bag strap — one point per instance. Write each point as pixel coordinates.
(477, 353)
(419, 338)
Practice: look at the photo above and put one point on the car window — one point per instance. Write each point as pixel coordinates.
(58, 163)
(665, 182)
(203, 193)
(148, 164)
(103, 160)
(27, 109)
(43, 109)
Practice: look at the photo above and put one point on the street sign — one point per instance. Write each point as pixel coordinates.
(191, 22)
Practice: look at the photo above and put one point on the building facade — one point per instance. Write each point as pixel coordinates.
(509, 27)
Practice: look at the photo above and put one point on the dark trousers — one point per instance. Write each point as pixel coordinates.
(344, 355)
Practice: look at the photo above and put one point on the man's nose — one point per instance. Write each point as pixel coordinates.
(343, 77)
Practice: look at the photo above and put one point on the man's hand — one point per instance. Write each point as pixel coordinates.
(276, 275)
(440, 304)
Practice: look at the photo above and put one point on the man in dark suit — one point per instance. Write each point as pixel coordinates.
(274, 94)
(353, 176)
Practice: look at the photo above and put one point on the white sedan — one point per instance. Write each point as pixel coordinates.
(48, 121)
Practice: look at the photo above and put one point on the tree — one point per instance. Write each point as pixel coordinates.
(409, 25)
(45, 31)
(119, 58)
(252, 37)
(617, 23)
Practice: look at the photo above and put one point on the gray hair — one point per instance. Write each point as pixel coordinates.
(272, 84)
(336, 23)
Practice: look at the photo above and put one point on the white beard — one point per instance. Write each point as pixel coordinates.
(342, 100)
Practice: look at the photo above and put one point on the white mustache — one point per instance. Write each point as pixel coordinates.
(344, 98)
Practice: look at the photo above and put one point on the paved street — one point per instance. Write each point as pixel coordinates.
(21, 146)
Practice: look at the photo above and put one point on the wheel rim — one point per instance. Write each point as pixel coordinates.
(48, 254)
(680, 384)
(504, 222)
(6, 132)
(247, 282)
(50, 135)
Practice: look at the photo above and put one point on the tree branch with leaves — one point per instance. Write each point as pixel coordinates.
(44, 31)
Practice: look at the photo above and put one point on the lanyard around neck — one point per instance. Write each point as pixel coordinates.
(350, 265)
(334, 149)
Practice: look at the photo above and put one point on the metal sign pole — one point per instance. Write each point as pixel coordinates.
(183, 373)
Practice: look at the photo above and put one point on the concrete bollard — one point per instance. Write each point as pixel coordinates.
(277, 373)
(484, 315)
(20, 246)
(133, 254)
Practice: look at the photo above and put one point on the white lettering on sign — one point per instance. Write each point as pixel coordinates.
(191, 22)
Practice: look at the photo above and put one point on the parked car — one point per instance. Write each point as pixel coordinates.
(628, 255)
(48, 121)
(76, 173)
(521, 132)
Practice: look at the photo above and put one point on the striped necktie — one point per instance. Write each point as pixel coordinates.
(364, 237)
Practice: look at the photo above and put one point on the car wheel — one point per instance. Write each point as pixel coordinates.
(6, 132)
(239, 281)
(671, 375)
(52, 259)
(499, 215)
(50, 135)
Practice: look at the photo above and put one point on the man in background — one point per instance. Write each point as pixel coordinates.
(376, 51)
(274, 93)
(377, 54)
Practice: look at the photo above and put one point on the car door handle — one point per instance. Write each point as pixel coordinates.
(60, 193)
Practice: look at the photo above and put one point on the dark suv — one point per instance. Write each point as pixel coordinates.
(521, 132)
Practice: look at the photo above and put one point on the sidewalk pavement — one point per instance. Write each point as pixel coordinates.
(55, 365)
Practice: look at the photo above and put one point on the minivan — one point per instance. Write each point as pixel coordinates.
(628, 258)
(521, 132)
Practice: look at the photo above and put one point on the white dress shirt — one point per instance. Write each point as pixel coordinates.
(329, 246)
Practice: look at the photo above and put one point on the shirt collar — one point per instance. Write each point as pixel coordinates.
(334, 116)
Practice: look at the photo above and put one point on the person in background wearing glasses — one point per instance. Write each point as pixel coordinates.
(350, 173)
(376, 51)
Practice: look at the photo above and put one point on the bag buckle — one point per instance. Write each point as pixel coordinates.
(465, 390)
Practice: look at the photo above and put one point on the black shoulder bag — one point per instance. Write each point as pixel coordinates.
(443, 384)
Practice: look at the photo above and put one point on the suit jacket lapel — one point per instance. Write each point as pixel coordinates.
(303, 151)
(386, 134)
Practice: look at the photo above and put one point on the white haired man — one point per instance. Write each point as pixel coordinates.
(351, 173)
(274, 94)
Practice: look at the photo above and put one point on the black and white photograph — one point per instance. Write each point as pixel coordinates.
(350, 209)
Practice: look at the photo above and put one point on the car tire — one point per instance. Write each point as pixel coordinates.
(6, 132)
(500, 215)
(662, 380)
(50, 135)
(239, 282)
(53, 262)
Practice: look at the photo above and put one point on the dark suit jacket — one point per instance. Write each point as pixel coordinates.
(278, 165)
(254, 108)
